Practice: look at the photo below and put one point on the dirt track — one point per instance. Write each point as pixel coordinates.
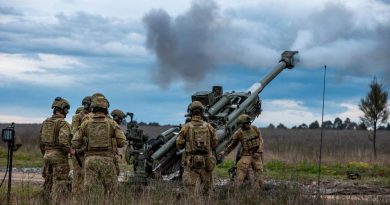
(330, 189)
(24, 177)
(20, 177)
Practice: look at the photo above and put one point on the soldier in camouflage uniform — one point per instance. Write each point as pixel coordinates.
(79, 109)
(118, 117)
(252, 151)
(99, 131)
(198, 138)
(54, 143)
(78, 172)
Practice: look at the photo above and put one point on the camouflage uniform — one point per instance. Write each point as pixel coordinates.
(78, 172)
(118, 117)
(198, 138)
(54, 143)
(99, 131)
(79, 109)
(252, 149)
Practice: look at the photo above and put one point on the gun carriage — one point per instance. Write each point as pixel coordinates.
(158, 156)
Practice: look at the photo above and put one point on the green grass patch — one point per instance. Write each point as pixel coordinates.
(22, 193)
(22, 158)
(307, 171)
(223, 167)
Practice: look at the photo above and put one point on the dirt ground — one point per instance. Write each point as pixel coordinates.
(331, 188)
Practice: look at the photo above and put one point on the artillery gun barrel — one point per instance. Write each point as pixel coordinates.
(168, 134)
(171, 137)
(219, 105)
(287, 61)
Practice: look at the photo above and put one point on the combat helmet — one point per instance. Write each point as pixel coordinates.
(118, 113)
(86, 100)
(99, 101)
(244, 118)
(79, 109)
(196, 105)
(60, 103)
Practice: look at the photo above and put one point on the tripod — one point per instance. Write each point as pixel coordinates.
(8, 135)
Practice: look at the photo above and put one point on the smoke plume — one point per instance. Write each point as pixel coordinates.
(353, 38)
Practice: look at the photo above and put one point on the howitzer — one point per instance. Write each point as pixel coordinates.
(222, 111)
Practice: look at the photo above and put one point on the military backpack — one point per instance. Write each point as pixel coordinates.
(99, 135)
(50, 131)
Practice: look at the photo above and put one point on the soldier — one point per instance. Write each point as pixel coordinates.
(79, 109)
(118, 117)
(99, 131)
(54, 143)
(252, 151)
(78, 172)
(198, 138)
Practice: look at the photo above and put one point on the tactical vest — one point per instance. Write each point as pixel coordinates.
(50, 131)
(198, 141)
(99, 135)
(76, 121)
(250, 140)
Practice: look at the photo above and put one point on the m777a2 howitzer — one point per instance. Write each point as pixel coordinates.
(159, 156)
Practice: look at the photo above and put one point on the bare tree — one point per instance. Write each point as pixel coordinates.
(374, 107)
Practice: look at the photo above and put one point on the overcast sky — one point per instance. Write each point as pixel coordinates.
(149, 57)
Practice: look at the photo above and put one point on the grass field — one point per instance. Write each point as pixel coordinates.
(172, 193)
(290, 155)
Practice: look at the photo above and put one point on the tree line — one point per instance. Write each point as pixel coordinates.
(337, 124)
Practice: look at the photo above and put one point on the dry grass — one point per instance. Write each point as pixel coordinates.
(291, 146)
(173, 193)
(339, 146)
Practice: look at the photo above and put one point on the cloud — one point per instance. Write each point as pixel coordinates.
(9, 11)
(78, 34)
(292, 112)
(57, 50)
(349, 36)
(19, 119)
(40, 69)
